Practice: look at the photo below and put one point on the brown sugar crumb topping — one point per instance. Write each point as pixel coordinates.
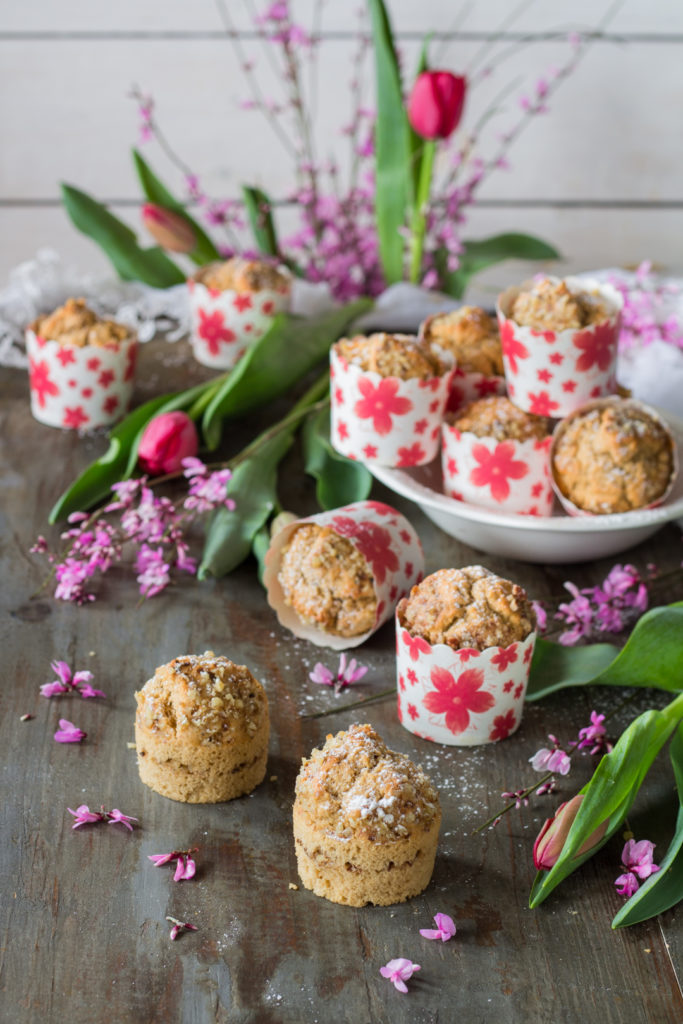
(550, 305)
(613, 459)
(470, 607)
(75, 324)
(470, 337)
(391, 355)
(240, 275)
(327, 581)
(354, 786)
(203, 693)
(497, 417)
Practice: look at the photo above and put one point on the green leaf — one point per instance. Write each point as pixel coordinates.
(259, 210)
(205, 251)
(554, 667)
(118, 462)
(477, 255)
(253, 487)
(609, 794)
(132, 263)
(664, 889)
(340, 481)
(289, 349)
(652, 655)
(393, 156)
(259, 547)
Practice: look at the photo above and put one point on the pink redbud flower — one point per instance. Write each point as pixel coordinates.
(593, 735)
(180, 926)
(637, 857)
(321, 675)
(545, 760)
(68, 732)
(436, 104)
(84, 816)
(346, 674)
(166, 441)
(627, 884)
(552, 837)
(66, 681)
(171, 230)
(445, 928)
(115, 816)
(185, 866)
(89, 691)
(399, 971)
(541, 615)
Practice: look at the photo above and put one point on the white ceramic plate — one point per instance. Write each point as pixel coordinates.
(554, 539)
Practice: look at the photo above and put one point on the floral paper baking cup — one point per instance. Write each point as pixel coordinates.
(552, 373)
(385, 420)
(224, 324)
(468, 386)
(80, 387)
(387, 541)
(511, 475)
(462, 698)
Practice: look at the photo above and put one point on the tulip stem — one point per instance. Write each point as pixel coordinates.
(200, 404)
(417, 233)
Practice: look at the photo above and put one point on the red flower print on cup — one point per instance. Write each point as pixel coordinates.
(75, 418)
(373, 542)
(411, 456)
(416, 645)
(512, 348)
(457, 698)
(66, 356)
(542, 404)
(131, 360)
(597, 346)
(242, 302)
(496, 468)
(41, 383)
(213, 330)
(381, 403)
(506, 656)
(503, 725)
(386, 510)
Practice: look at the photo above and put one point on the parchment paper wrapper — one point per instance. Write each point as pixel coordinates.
(551, 373)
(385, 420)
(80, 388)
(601, 403)
(387, 541)
(462, 698)
(467, 386)
(511, 476)
(225, 323)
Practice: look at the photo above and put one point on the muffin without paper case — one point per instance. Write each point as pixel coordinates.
(366, 821)
(201, 730)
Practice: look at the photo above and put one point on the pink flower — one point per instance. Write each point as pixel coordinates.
(637, 857)
(399, 971)
(66, 681)
(541, 615)
(457, 698)
(179, 927)
(436, 104)
(594, 734)
(496, 468)
(551, 761)
(185, 864)
(627, 884)
(503, 725)
(445, 928)
(346, 674)
(116, 816)
(84, 816)
(166, 441)
(381, 403)
(89, 691)
(69, 733)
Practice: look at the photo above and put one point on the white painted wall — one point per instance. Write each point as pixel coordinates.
(600, 175)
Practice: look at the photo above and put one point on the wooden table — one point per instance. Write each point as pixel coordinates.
(84, 932)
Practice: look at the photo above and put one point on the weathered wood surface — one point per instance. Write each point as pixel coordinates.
(83, 917)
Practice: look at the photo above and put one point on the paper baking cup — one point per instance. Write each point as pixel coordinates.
(601, 403)
(467, 386)
(462, 698)
(80, 388)
(385, 421)
(511, 476)
(552, 373)
(224, 324)
(387, 541)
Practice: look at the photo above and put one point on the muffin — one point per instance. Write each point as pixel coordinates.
(232, 304)
(551, 305)
(81, 367)
(388, 396)
(613, 456)
(496, 455)
(366, 821)
(201, 730)
(335, 577)
(464, 643)
(468, 337)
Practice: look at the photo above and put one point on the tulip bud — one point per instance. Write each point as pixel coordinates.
(552, 837)
(165, 442)
(169, 229)
(436, 103)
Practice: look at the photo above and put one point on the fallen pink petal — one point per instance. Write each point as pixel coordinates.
(637, 857)
(89, 691)
(179, 927)
(54, 689)
(116, 817)
(627, 884)
(161, 858)
(84, 816)
(399, 971)
(445, 928)
(69, 733)
(321, 675)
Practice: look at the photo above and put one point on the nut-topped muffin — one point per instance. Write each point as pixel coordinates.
(241, 275)
(201, 729)
(496, 417)
(469, 607)
(366, 821)
(615, 456)
(469, 337)
(327, 581)
(391, 355)
(75, 324)
(551, 305)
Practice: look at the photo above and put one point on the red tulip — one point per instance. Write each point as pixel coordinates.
(165, 442)
(552, 837)
(169, 229)
(435, 104)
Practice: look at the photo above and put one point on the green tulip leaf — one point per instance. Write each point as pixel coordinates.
(609, 794)
(554, 667)
(259, 211)
(393, 150)
(204, 251)
(259, 548)
(340, 481)
(485, 252)
(664, 889)
(130, 260)
(289, 349)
